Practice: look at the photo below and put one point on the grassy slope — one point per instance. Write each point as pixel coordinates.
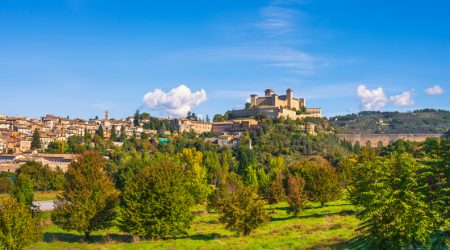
(317, 228)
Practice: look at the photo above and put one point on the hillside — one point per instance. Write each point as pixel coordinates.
(415, 122)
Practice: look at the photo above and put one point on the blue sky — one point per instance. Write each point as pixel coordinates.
(79, 58)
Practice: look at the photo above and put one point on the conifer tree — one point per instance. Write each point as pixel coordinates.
(89, 198)
(100, 131)
(36, 142)
(113, 135)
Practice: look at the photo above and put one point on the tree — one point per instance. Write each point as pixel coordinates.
(295, 194)
(393, 208)
(192, 161)
(123, 134)
(136, 118)
(23, 190)
(36, 142)
(322, 183)
(5, 185)
(239, 207)
(89, 198)
(18, 227)
(156, 203)
(357, 147)
(42, 176)
(100, 132)
(113, 135)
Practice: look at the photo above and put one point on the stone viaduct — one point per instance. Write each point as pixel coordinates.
(386, 139)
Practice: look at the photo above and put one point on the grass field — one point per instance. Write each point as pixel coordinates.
(39, 196)
(330, 227)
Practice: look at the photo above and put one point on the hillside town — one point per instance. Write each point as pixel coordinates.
(17, 132)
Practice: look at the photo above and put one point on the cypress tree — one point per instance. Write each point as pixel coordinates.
(36, 142)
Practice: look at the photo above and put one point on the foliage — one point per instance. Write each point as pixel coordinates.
(240, 208)
(18, 227)
(44, 178)
(156, 203)
(23, 190)
(192, 161)
(416, 122)
(36, 141)
(322, 183)
(394, 210)
(296, 197)
(89, 198)
(6, 185)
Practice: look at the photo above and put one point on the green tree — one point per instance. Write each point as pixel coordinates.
(100, 132)
(393, 208)
(136, 118)
(239, 207)
(123, 134)
(23, 190)
(357, 147)
(192, 161)
(156, 203)
(36, 141)
(113, 135)
(18, 227)
(89, 198)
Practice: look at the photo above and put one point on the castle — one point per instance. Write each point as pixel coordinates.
(276, 106)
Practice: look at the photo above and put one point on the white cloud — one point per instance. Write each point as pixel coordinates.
(404, 99)
(435, 90)
(177, 101)
(371, 99)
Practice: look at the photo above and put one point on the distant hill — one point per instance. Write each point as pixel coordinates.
(415, 122)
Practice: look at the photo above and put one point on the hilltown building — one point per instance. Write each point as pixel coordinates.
(275, 106)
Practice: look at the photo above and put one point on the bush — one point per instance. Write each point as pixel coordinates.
(156, 203)
(295, 194)
(18, 227)
(43, 177)
(322, 183)
(240, 208)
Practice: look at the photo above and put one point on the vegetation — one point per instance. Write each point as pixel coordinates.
(89, 198)
(415, 122)
(156, 203)
(18, 226)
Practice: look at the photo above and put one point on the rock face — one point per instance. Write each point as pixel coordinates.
(386, 139)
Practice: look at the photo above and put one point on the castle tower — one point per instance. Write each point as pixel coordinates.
(253, 100)
(268, 92)
(289, 98)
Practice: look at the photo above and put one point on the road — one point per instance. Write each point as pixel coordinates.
(44, 205)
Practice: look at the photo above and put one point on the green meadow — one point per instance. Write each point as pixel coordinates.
(330, 227)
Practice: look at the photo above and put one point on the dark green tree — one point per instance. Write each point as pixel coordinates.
(156, 203)
(113, 135)
(36, 141)
(123, 134)
(89, 198)
(136, 118)
(23, 190)
(100, 132)
(393, 208)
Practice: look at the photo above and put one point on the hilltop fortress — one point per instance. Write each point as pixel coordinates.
(276, 106)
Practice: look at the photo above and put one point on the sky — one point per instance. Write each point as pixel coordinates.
(79, 58)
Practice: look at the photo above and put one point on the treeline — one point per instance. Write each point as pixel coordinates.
(416, 122)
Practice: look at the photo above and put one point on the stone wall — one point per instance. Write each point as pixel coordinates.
(386, 139)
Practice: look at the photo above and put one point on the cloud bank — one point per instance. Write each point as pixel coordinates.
(371, 99)
(178, 101)
(376, 99)
(404, 99)
(435, 90)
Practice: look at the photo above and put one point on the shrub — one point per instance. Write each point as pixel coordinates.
(18, 227)
(240, 208)
(156, 203)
